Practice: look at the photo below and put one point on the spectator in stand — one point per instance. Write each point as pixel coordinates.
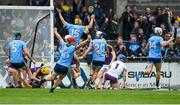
(39, 2)
(176, 31)
(98, 12)
(166, 37)
(67, 13)
(172, 53)
(150, 21)
(120, 47)
(141, 36)
(127, 22)
(135, 28)
(162, 25)
(158, 16)
(76, 6)
(144, 52)
(134, 12)
(133, 47)
(143, 23)
(83, 13)
(110, 14)
(165, 17)
(168, 19)
(114, 24)
(104, 28)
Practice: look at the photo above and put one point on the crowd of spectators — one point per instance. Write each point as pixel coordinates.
(136, 27)
(24, 21)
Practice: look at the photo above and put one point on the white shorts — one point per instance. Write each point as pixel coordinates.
(105, 68)
(73, 66)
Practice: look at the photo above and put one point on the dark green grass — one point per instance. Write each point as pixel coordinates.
(77, 96)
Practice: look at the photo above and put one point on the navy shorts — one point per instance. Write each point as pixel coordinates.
(112, 79)
(59, 69)
(98, 64)
(89, 58)
(17, 65)
(155, 60)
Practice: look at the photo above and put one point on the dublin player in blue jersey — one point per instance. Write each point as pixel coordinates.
(155, 43)
(76, 30)
(17, 50)
(99, 48)
(67, 54)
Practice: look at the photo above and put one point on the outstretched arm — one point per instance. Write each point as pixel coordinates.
(87, 51)
(58, 35)
(165, 43)
(26, 52)
(61, 18)
(84, 42)
(91, 22)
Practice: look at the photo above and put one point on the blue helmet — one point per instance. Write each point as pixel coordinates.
(121, 57)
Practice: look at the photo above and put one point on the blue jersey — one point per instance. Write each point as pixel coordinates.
(16, 51)
(76, 31)
(67, 55)
(98, 47)
(155, 46)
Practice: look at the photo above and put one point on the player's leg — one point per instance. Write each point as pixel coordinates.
(75, 72)
(62, 72)
(57, 83)
(17, 73)
(98, 80)
(12, 72)
(158, 72)
(148, 69)
(113, 81)
(28, 71)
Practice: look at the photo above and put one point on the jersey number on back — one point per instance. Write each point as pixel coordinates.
(14, 47)
(117, 65)
(75, 33)
(152, 45)
(99, 49)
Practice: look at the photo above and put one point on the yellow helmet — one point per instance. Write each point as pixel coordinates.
(45, 70)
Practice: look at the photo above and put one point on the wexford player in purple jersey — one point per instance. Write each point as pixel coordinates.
(117, 69)
(108, 61)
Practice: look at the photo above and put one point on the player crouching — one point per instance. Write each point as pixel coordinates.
(40, 73)
(117, 69)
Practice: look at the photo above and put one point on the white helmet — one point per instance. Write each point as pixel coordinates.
(158, 30)
(98, 34)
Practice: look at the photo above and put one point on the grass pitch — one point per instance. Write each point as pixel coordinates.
(84, 96)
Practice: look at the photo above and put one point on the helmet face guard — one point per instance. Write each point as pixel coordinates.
(98, 34)
(158, 30)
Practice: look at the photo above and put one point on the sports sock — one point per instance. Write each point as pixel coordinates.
(74, 82)
(157, 83)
